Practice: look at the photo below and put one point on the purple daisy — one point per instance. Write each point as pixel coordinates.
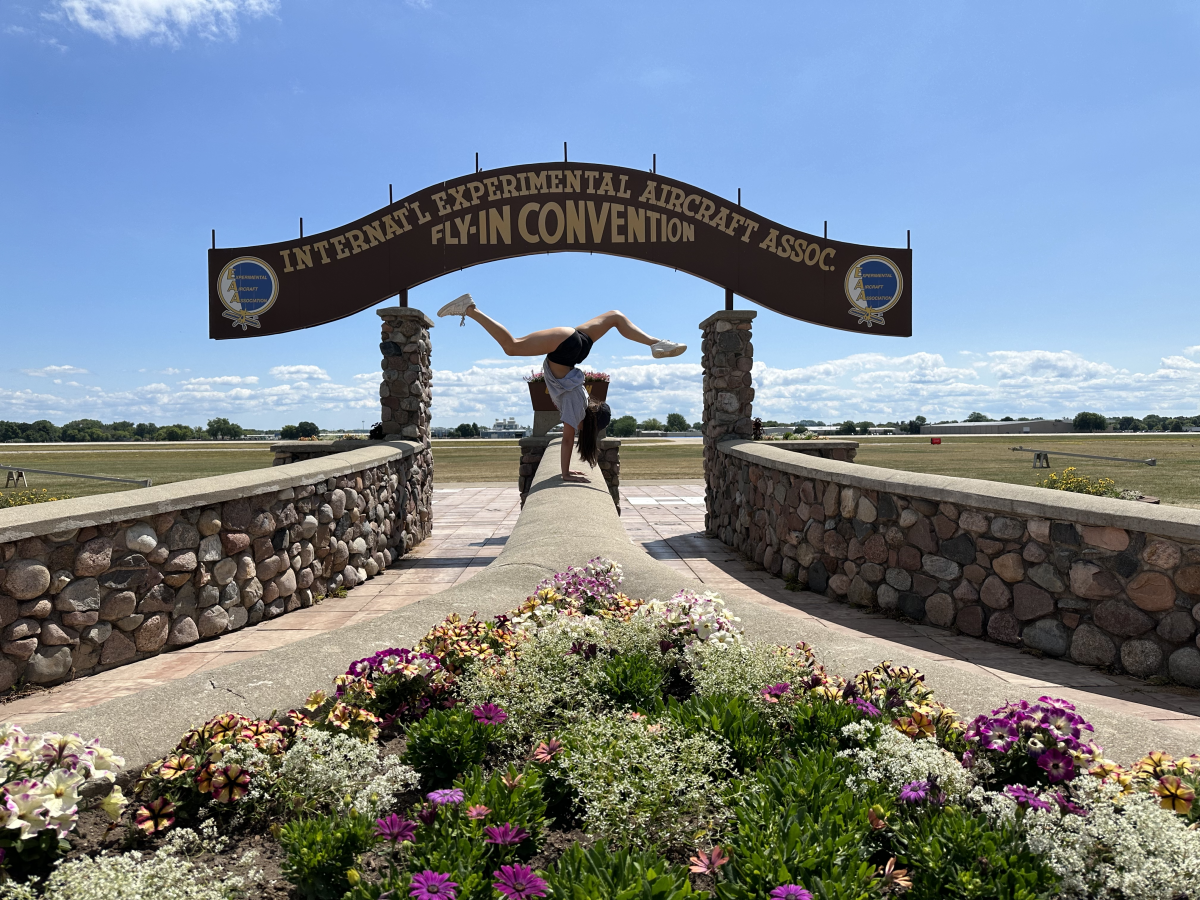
(790, 892)
(427, 814)
(862, 706)
(489, 714)
(1058, 765)
(504, 835)
(446, 795)
(518, 882)
(914, 791)
(430, 885)
(395, 829)
(1026, 798)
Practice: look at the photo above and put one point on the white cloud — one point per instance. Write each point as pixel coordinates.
(287, 373)
(504, 361)
(637, 356)
(47, 371)
(163, 20)
(1191, 351)
(219, 379)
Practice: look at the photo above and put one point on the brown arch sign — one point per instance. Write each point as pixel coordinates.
(554, 208)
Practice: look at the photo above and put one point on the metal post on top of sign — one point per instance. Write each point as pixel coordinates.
(826, 228)
(214, 246)
(653, 163)
(908, 240)
(302, 228)
(390, 200)
(564, 151)
(402, 300)
(729, 298)
(476, 162)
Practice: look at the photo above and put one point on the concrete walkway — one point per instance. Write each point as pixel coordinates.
(472, 526)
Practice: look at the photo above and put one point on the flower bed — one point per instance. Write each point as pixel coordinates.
(593, 745)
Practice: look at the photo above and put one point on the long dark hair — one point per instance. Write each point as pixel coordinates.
(587, 440)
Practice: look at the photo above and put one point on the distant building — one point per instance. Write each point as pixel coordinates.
(439, 431)
(505, 428)
(1032, 426)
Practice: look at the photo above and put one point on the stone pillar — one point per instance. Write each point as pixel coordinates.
(610, 467)
(727, 357)
(406, 393)
(532, 451)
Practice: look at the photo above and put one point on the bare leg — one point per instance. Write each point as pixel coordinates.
(539, 343)
(596, 328)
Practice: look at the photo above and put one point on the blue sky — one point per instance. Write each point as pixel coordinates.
(1044, 156)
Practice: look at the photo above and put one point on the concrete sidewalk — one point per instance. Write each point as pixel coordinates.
(563, 525)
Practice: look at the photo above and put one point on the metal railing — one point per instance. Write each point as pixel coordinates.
(21, 470)
(1041, 458)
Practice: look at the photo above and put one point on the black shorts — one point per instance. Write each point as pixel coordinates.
(573, 350)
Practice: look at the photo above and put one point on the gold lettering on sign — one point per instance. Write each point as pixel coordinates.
(440, 199)
(400, 214)
(555, 181)
(521, 216)
(493, 193)
(321, 249)
(422, 218)
(719, 221)
(576, 223)
(676, 204)
(828, 251)
(559, 219)
(617, 222)
(357, 242)
(537, 183)
(648, 193)
(374, 231)
(623, 192)
(653, 217)
(636, 224)
(798, 253)
(391, 228)
(342, 252)
(769, 241)
(460, 201)
(706, 208)
(464, 228)
(499, 224)
(785, 245)
(303, 256)
(591, 180)
(734, 223)
(687, 202)
(521, 176)
(287, 262)
(476, 189)
(508, 184)
(606, 185)
(674, 230)
(597, 222)
(689, 231)
(573, 180)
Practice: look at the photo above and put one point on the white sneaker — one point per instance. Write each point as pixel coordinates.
(458, 307)
(667, 348)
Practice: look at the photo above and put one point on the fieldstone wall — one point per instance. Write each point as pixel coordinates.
(727, 356)
(1097, 581)
(534, 448)
(97, 582)
(406, 390)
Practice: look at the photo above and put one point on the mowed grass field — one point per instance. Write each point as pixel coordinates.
(466, 461)
(1175, 480)
(162, 463)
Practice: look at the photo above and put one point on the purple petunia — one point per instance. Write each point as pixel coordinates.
(914, 791)
(1065, 804)
(489, 714)
(430, 885)
(1026, 798)
(395, 829)
(504, 835)
(1058, 765)
(518, 882)
(790, 892)
(446, 795)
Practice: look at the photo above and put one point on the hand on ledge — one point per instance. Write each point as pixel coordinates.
(575, 477)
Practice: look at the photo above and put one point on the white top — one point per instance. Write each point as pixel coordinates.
(568, 394)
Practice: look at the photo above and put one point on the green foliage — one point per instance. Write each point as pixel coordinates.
(1074, 482)
(798, 823)
(632, 680)
(676, 422)
(979, 417)
(467, 430)
(735, 720)
(445, 744)
(622, 427)
(818, 722)
(1129, 423)
(914, 427)
(321, 850)
(950, 853)
(455, 842)
(652, 424)
(601, 874)
(35, 855)
(223, 429)
(1090, 421)
(847, 427)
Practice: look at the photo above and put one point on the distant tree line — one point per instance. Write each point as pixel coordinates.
(82, 431)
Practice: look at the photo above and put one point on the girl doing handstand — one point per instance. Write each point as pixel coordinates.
(565, 349)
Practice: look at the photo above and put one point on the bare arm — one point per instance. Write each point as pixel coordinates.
(568, 447)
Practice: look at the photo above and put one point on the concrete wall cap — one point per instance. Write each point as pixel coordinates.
(22, 522)
(1026, 502)
(813, 446)
(730, 315)
(404, 312)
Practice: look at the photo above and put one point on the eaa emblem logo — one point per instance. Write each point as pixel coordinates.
(247, 288)
(873, 286)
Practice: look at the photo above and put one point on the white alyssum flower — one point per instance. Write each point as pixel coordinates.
(896, 759)
(327, 768)
(167, 874)
(1126, 848)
